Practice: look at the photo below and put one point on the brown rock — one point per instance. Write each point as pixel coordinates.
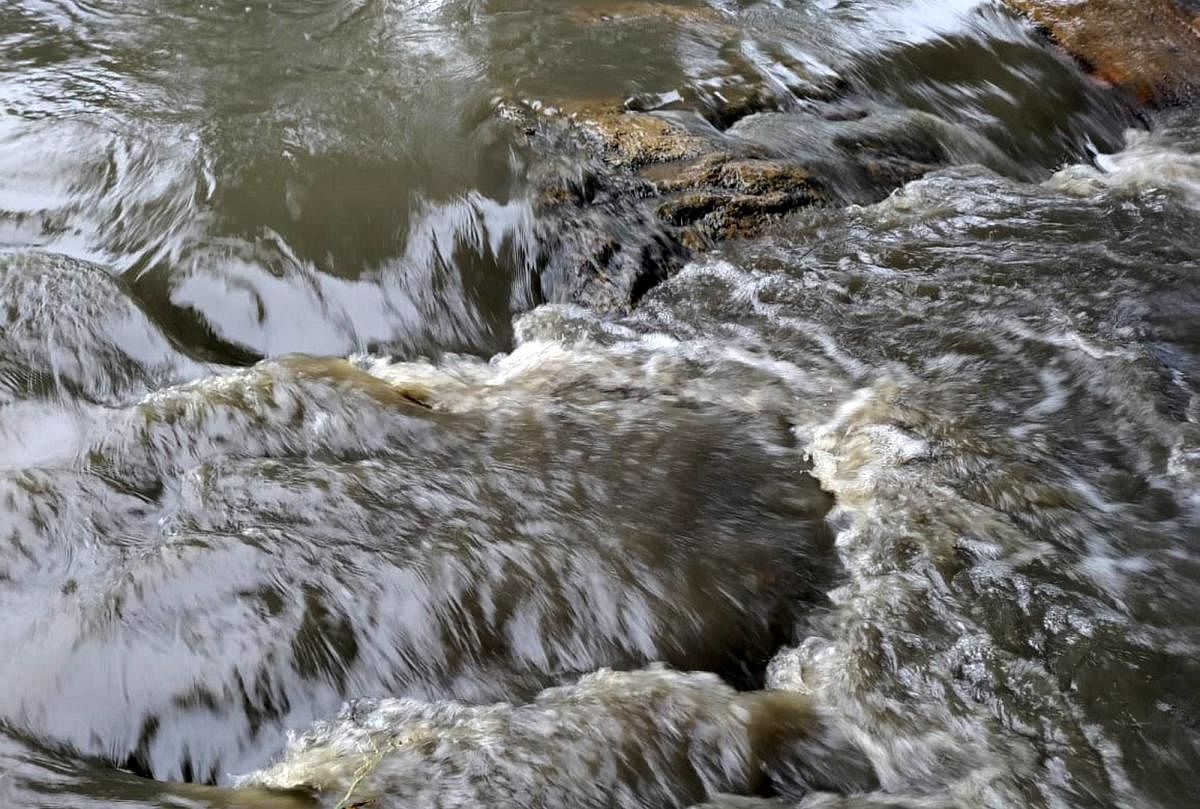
(688, 208)
(641, 11)
(625, 197)
(637, 139)
(749, 175)
(722, 197)
(1149, 47)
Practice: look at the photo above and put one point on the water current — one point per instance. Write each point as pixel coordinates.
(318, 488)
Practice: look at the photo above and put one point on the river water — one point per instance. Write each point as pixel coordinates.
(316, 490)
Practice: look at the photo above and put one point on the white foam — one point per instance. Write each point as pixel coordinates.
(1148, 164)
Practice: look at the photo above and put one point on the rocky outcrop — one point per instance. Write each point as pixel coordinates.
(1151, 48)
(721, 197)
(625, 195)
(627, 190)
(636, 12)
(622, 740)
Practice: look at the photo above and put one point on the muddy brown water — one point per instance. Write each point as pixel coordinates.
(319, 486)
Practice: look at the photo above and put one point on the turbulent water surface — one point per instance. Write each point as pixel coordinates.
(316, 489)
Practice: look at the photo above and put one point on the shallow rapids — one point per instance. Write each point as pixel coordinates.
(320, 487)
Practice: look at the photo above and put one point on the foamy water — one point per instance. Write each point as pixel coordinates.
(308, 497)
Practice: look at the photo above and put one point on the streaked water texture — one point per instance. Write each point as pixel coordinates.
(316, 489)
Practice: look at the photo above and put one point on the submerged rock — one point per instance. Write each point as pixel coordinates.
(71, 326)
(618, 740)
(1150, 47)
(253, 549)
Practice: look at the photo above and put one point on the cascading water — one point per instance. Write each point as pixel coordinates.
(866, 477)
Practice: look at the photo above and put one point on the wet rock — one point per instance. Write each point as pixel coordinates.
(726, 102)
(253, 549)
(745, 175)
(1151, 48)
(624, 197)
(632, 138)
(633, 12)
(621, 740)
(603, 245)
(608, 257)
(723, 197)
(62, 321)
(862, 156)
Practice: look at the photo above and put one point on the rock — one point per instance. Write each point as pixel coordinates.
(608, 257)
(1150, 48)
(71, 325)
(747, 175)
(637, 139)
(643, 11)
(624, 196)
(615, 739)
(726, 197)
(315, 542)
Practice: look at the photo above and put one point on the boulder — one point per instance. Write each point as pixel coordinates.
(1151, 48)
(625, 192)
(616, 739)
(317, 533)
(640, 12)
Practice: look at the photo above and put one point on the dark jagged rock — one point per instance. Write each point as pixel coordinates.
(1150, 47)
(602, 244)
(624, 196)
(721, 197)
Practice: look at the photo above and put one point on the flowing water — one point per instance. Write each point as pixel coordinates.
(317, 490)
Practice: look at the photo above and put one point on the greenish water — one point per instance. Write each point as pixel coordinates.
(296, 410)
